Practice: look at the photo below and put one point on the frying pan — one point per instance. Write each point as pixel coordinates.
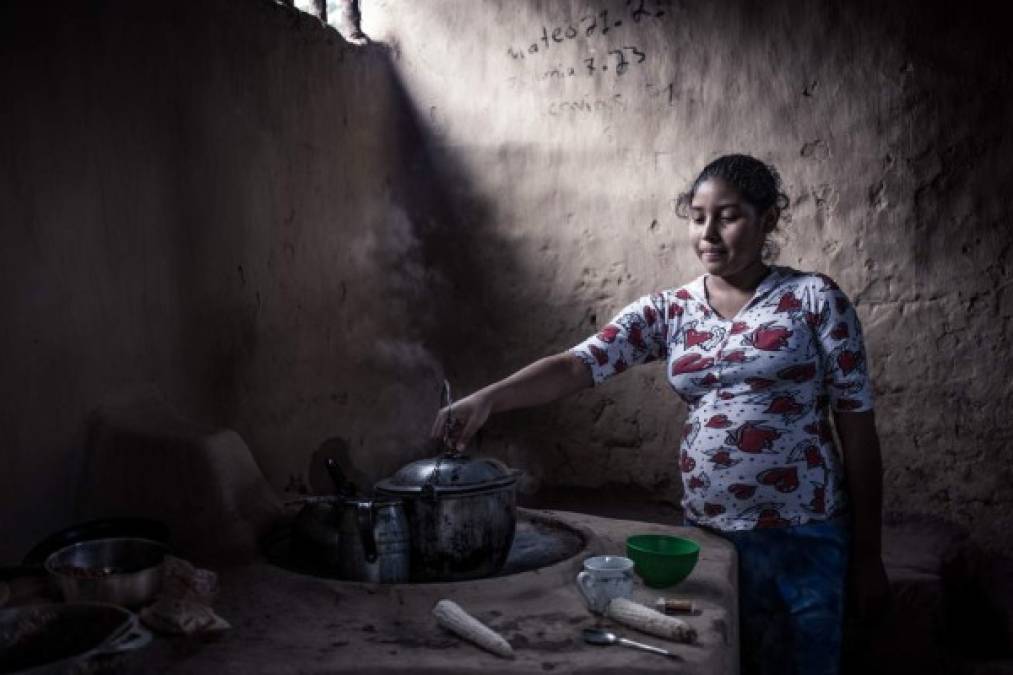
(58, 639)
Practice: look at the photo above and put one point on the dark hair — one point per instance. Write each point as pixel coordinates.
(758, 183)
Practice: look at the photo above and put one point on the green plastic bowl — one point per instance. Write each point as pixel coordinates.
(662, 560)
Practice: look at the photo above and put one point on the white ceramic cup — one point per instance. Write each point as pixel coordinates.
(605, 577)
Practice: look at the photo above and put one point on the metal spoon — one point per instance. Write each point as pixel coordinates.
(596, 636)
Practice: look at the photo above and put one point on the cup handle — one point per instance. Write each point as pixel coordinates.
(584, 584)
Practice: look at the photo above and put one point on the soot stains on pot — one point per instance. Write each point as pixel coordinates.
(461, 514)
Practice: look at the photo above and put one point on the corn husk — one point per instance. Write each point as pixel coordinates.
(450, 615)
(182, 581)
(646, 620)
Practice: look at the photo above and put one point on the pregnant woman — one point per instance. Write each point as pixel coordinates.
(770, 361)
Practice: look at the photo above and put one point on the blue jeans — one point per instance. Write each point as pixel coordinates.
(791, 597)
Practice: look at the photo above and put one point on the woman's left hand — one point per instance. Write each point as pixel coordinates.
(870, 588)
(863, 463)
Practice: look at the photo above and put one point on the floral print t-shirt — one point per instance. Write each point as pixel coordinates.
(757, 448)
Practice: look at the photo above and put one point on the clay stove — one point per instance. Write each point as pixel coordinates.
(288, 618)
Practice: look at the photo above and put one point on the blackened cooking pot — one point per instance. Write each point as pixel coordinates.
(462, 513)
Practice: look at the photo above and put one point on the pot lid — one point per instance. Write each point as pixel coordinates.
(449, 473)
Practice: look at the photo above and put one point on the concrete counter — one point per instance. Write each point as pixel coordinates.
(284, 622)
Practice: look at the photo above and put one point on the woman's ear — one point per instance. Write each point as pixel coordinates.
(770, 219)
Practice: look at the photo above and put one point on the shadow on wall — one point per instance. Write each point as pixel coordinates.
(332, 282)
(454, 222)
(452, 297)
(444, 296)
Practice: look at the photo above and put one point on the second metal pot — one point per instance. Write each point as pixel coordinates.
(354, 538)
(121, 570)
(374, 540)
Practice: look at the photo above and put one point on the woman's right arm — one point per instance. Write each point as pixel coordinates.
(543, 381)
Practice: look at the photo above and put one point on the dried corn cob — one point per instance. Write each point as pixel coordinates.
(647, 620)
(450, 615)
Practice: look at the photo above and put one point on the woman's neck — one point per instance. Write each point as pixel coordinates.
(743, 281)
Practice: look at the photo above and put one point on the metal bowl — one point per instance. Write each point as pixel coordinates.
(123, 571)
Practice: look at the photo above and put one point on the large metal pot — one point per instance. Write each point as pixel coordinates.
(374, 541)
(461, 512)
(356, 538)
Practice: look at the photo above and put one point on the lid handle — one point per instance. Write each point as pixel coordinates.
(364, 513)
(447, 401)
(449, 451)
(450, 424)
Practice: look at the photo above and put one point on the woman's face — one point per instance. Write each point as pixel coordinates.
(726, 232)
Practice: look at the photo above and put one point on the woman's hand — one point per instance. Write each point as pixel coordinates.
(863, 465)
(544, 380)
(467, 417)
